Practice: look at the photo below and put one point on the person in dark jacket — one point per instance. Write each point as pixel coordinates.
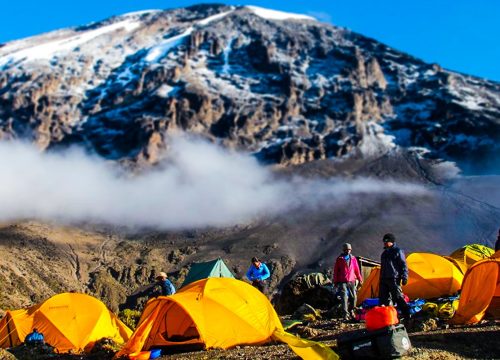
(167, 288)
(346, 276)
(393, 274)
(258, 273)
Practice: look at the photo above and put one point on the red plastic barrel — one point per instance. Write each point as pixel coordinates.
(379, 317)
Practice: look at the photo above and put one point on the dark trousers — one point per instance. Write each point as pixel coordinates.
(348, 296)
(390, 289)
(261, 285)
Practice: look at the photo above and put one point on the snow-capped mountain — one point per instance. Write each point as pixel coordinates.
(285, 87)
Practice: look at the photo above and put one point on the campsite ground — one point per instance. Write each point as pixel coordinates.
(465, 342)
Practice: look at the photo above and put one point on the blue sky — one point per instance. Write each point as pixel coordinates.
(460, 35)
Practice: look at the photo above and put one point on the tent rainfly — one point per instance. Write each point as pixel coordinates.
(214, 313)
(469, 254)
(214, 268)
(480, 292)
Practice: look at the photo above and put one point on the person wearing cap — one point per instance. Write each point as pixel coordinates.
(167, 288)
(393, 274)
(258, 273)
(346, 275)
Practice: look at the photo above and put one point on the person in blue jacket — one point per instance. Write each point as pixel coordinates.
(258, 273)
(34, 338)
(167, 288)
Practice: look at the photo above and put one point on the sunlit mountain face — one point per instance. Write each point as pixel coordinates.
(283, 87)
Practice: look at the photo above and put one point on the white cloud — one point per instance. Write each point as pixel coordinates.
(200, 185)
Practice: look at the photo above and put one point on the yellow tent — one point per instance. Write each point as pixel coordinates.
(215, 313)
(467, 255)
(430, 276)
(480, 291)
(68, 321)
(459, 264)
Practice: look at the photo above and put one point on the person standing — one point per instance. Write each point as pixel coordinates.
(258, 273)
(167, 288)
(393, 274)
(346, 274)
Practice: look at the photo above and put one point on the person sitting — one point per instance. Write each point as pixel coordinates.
(257, 274)
(34, 338)
(167, 288)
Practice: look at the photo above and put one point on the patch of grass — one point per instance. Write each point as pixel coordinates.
(130, 317)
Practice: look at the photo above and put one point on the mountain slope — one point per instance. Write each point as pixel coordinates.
(38, 260)
(282, 86)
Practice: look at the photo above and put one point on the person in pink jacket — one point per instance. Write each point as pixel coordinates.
(346, 275)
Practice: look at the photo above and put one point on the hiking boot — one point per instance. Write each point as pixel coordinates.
(346, 318)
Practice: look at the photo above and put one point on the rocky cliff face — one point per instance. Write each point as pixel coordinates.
(286, 88)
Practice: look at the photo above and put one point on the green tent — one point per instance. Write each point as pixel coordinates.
(214, 268)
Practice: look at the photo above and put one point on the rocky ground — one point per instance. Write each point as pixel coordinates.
(471, 342)
(444, 343)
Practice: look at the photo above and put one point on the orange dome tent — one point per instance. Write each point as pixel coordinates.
(370, 286)
(214, 313)
(68, 321)
(430, 276)
(480, 292)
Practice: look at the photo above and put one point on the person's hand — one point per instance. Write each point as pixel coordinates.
(404, 281)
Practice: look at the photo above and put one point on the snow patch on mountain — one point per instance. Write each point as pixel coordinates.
(158, 52)
(141, 12)
(277, 15)
(225, 55)
(375, 142)
(164, 91)
(212, 18)
(50, 49)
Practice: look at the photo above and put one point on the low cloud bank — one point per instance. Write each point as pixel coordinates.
(200, 185)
